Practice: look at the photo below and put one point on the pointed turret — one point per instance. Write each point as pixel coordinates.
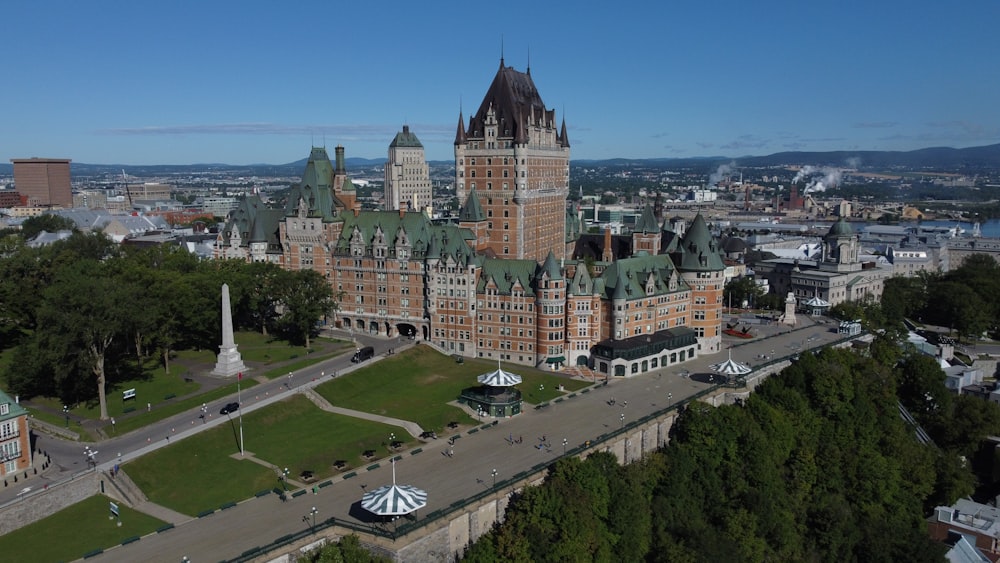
(460, 137)
(621, 285)
(563, 137)
(551, 267)
(699, 253)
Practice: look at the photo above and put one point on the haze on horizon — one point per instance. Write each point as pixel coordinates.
(240, 83)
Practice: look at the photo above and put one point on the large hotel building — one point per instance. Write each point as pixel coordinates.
(510, 279)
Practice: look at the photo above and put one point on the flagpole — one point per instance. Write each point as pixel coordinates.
(240, 401)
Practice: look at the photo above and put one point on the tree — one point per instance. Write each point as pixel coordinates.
(306, 297)
(45, 222)
(740, 290)
(87, 308)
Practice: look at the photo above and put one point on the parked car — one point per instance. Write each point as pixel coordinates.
(231, 407)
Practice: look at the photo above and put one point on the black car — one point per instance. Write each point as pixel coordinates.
(231, 407)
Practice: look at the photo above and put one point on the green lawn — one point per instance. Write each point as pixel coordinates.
(417, 384)
(198, 474)
(82, 528)
(300, 436)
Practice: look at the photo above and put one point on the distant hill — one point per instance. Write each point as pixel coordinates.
(934, 158)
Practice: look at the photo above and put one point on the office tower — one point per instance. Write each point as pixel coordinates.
(407, 176)
(44, 181)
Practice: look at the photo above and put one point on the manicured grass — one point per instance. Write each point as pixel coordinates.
(74, 531)
(417, 384)
(298, 435)
(198, 474)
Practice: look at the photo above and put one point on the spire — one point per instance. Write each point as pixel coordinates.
(699, 252)
(563, 137)
(460, 137)
(551, 268)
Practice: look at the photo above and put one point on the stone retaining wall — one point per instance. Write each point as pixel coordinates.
(46, 502)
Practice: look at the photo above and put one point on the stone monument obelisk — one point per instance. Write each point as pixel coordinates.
(230, 363)
(789, 317)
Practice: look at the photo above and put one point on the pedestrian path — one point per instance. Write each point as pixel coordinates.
(412, 428)
(162, 512)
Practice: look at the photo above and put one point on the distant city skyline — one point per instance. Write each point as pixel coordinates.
(249, 82)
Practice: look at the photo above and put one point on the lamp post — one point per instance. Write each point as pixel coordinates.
(284, 479)
(392, 440)
(622, 418)
(66, 414)
(313, 513)
(565, 441)
(494, 473)
(670, 399)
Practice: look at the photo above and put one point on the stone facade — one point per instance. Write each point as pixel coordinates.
(407, 175)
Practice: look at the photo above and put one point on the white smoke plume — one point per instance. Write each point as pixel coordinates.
(721, 172)
(854, 162)
(819, 178)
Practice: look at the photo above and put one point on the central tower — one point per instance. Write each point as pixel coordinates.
(515, 160)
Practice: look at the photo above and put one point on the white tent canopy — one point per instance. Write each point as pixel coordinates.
(729, 367)
(499, 378)
(394, 500)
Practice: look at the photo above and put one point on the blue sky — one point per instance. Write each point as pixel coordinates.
(259, 82)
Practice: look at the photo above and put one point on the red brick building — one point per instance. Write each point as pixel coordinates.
(515, 159)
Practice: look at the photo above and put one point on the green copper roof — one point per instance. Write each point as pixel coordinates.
(315, 189)
(14, 410)
(698, 249)
(840, 229)
(582, 284)
(629, 278)
(472, 209)
(406, 139)
(425, 240)
(647, 221)
(254, 221)
(506, 274)
(551, 267)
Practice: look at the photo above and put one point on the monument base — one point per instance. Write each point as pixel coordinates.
(229, 363)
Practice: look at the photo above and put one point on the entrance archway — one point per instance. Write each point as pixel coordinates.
(407, 330)
(582, 361)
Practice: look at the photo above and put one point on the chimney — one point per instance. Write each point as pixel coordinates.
(357, 212)
(339, 151)
(402, 211)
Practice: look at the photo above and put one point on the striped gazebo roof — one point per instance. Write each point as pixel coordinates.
(499, 378)
(729, 367)
(393, 500)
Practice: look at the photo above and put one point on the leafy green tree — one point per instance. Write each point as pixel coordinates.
(88, 309)
(740, 290)
(347, 550)
(45, 222)
(306, 297)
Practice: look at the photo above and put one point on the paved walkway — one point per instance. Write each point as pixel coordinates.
(412, 427)
(451, 478)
